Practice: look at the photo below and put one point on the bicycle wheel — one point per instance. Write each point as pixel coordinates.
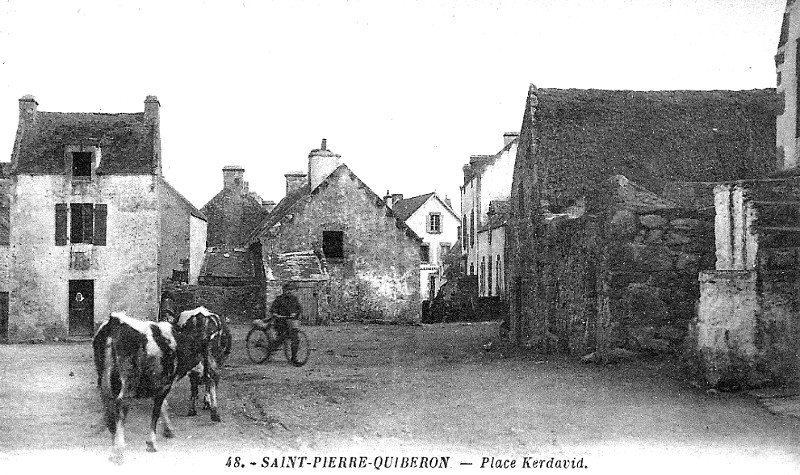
(303, 349)
(257, 343)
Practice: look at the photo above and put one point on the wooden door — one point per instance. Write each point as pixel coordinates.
(81, 307)
(308, 294)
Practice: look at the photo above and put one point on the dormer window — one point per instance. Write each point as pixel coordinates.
(82, 164)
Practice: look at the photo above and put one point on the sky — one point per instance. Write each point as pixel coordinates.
(404, 91)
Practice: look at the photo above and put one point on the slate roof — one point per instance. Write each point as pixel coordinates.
(126, 142)
(652, 137)
(227, 262)
(403, 209)
(284, 208)
(302, 265)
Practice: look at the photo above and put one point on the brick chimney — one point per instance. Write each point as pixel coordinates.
(295, 181)
(27, 117)
(509, 137)
(151, 110)
(321, 163)
(233, 177)
(27, 109)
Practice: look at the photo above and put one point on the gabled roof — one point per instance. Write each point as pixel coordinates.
(126, 142)
(403, 209)
(222, 261)
(581, 137)
(284, 208)
(189, 206)
(478, 163)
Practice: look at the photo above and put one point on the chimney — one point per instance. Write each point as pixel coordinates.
(509, 137)
(448, 202)
(321, 163)
(267, 205)
(27, 109)
(295, 181)
(151, 107)
(232, 177)
(388, 200)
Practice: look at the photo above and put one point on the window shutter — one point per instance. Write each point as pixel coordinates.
(100, 216)
(61, 224)
(88, 222)
(428, 223)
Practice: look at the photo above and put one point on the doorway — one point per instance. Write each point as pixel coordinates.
(81, 307)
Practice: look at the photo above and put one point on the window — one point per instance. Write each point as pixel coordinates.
(482, 276)
(489, 276)
(499, 270)
(465, 231)
(434, 223)
(5, 229)
(85, 222)
(425, 253)
(81, 227)
(82, 164)
(472, 269)
(333, 244)
(490, 235)
(444, 250)
(472, 229)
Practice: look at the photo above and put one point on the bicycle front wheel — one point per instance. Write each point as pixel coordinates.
(303, 349)
(258, 348)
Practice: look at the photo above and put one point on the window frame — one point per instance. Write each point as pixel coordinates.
(329, 247)
(437, 217)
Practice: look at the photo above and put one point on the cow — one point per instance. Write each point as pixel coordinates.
(218, 336)
(137, 359)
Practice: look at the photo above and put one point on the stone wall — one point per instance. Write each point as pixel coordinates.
(379, 276)
(124, 270)
(240, 304)
(618, 278)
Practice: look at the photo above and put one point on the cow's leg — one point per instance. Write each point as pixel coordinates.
(168, 432)
(212, 379)
(116, 425)
(158, 404)
(194, 380)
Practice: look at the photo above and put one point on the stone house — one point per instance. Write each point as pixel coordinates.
(235, 211)
(433, 219)
(91, 225)
(372, 257)
(747, 332)
(605, 237)
(487, 180)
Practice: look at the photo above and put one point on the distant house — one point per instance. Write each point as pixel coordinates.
(235, 211)
(604, 244)
(90, 224)
(433, 219)
(372, 257)
(487, 180)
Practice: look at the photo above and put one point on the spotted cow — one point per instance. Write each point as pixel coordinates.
(138, 359)
(218, 336)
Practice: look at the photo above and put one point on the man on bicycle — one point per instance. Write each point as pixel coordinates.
(286, 311)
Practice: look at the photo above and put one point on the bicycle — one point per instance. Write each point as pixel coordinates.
(263, 340)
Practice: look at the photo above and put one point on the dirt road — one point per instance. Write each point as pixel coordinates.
(401, 391)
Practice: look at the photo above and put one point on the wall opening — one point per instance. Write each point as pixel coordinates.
(3, 316)
(333, 244)
(82, 164)
(81, 307)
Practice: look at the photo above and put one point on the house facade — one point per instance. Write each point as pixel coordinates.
(487, 179)
(433, 219)
(610, 217)
(93, 227)
(372, 258)
(235, 211)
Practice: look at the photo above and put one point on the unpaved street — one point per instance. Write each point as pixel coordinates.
(392, 391)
